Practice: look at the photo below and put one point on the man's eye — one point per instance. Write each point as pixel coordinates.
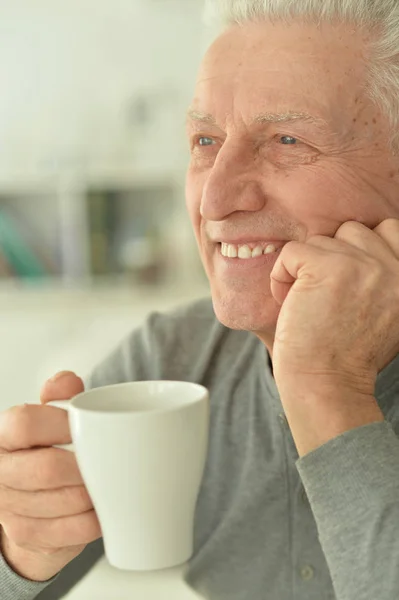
(205, 141)
(288, 140)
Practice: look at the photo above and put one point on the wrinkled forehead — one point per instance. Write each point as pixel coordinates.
(321, 70)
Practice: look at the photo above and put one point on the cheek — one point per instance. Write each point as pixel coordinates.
(194, 187)
(304, 194)
(323, 198)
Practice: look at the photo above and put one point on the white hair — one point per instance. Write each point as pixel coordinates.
(379, 17)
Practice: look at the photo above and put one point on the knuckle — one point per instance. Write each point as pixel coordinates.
(93, 528)
(17, 422)
(76, 500)
(82, 498)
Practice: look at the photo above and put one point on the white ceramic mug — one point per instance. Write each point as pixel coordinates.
(141, 448)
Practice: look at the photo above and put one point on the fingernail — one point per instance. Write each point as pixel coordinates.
(58, 376)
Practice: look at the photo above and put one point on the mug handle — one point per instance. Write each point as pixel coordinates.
(65, 405)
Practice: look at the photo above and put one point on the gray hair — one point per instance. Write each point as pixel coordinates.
(379, 17)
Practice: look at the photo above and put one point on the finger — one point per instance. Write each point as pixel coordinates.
(63, 385)
(46, 504)
(354, 238)
(388, 231)
(296, 260)
(364, 239)
(39, 469)
(33, 425)
(52, 533)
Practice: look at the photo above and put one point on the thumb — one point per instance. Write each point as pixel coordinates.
(279, 290)
(62, 386)
(281, 281)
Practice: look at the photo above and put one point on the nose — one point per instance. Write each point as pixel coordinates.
(231, 186)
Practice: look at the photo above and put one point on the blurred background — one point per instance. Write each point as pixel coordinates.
(93, 226)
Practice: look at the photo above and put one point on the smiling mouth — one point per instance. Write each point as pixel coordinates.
(247, 251)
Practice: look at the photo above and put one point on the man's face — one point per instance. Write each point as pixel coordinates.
(254, 182)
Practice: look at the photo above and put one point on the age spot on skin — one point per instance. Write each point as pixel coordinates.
(374, 121)
(355, 120)
(366, 122)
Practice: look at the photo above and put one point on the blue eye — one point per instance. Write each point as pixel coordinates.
(291, 140)
(205, 141)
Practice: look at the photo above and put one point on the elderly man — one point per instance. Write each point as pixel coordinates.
(293, 193)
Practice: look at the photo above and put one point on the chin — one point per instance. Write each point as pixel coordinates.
(249, 311)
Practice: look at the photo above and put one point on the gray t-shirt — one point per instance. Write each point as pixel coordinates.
(268, 526)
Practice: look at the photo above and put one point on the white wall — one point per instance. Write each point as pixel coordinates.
(71, 69)
(45, 332)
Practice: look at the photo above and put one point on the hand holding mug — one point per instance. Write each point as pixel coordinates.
(46, 514)
(141, 448)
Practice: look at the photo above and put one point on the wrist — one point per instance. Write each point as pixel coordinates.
(318, 414)
(27, 563)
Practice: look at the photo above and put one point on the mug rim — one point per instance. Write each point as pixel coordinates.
(203, 394)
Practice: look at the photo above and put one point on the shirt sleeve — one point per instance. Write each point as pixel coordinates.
(14, 587)
(352, 483)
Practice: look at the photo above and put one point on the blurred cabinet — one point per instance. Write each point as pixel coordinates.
(110, 226)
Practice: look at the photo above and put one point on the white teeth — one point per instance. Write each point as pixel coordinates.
(231, 251)
(244, 252)
(257, 252)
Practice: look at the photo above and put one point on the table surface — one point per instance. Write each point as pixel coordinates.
(104, 582)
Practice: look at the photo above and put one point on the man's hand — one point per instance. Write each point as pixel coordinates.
(339, 321)
(46, 514)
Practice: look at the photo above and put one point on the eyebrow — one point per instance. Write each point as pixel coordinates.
(196, 115)
(285, 117)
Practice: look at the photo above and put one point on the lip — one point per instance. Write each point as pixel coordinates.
(251, 240)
